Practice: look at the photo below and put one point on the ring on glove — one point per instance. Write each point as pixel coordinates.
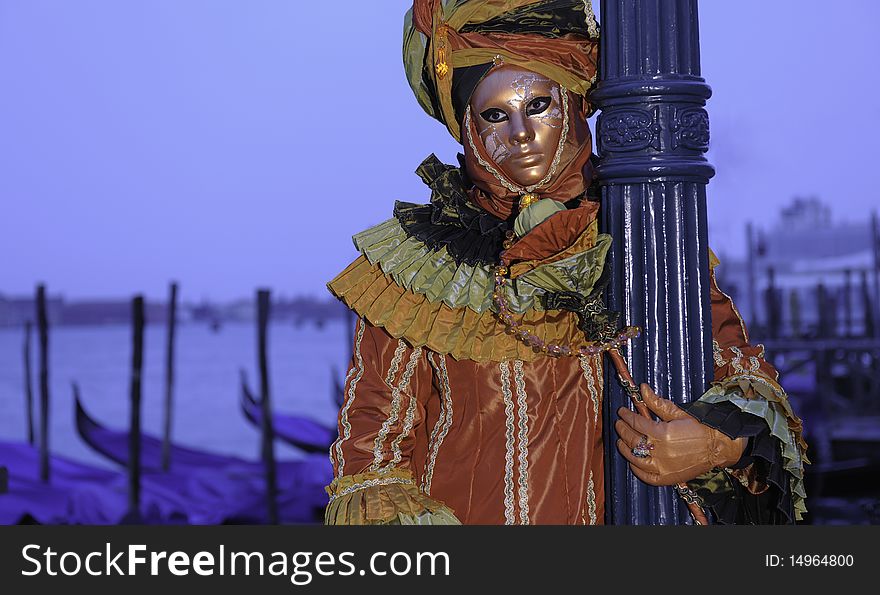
(643, 448)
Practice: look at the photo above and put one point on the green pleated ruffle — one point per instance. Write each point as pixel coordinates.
(578, 272)
(774, 411)
(437, 276)
(535, 214)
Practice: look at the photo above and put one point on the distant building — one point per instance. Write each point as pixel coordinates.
(805, 264)
(15, 311)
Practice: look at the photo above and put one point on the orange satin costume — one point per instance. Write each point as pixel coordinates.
(511, 442)
(447, 417)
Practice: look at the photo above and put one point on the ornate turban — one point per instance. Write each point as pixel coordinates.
(448, 45)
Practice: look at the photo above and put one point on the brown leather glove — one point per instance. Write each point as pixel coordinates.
(683, 447)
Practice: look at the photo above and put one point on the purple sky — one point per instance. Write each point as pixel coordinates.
(230, 144)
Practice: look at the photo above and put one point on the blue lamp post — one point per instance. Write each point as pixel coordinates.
(652, 134)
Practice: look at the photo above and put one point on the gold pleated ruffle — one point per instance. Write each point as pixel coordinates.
(459, 332)
(433, 273)
(390, 498)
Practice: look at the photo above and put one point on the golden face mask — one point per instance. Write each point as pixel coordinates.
(519, 116)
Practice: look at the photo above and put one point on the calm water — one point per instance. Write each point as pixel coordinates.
(206, 411)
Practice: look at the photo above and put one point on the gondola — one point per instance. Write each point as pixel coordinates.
(207, 488)
(113, 444)
(303, 433)
(30, 501)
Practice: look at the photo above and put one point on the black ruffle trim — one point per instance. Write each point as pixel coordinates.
(735, 505)
(470, 234)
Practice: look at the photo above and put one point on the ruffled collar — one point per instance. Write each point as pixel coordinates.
(475, 236)
(430, 269)
(469, 233)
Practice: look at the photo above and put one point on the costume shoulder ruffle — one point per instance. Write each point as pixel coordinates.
(427, 274)
(468, 233)
(432, 273)
(438, 276)
(462, 333)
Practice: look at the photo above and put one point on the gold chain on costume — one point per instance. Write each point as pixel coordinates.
(514, 327)
(395, 362)
(717, 354)
(369, 483)
(393, 416)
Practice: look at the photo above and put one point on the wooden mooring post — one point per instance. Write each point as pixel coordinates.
(28, 383)
(847, 303)
(134, 433)
(868, 321)
(794, 307)
(268, 431)
(875, 244)
(169, 377)
(773, 310)
(750, 270)
(823, 315)
(43, 326)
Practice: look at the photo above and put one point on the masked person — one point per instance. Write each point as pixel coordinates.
(475, 388)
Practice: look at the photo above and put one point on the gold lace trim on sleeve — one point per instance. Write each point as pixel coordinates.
(383, 498)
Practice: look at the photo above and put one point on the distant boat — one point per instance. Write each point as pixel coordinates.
(301, 432)
(113, 444)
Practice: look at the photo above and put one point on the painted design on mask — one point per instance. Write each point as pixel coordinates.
(522, 119)
(522, 86)
(553, 116)
(496, 147)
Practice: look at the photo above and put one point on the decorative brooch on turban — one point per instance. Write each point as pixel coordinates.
(449, 45)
